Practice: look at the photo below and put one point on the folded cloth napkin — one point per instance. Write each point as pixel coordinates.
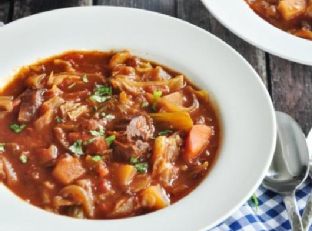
(270, 214)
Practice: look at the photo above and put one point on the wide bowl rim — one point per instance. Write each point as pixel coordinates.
(181, 23)
(258, 32)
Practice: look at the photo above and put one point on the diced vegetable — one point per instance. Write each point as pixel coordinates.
(125, 173)
(85, 78)
(196, 141)
(174, 120)
(119, 58)
(73, 110)
(6, 103)
(291, 9)
(154, 197)
(164, 132)
(59, 119)
(23, 158)
(68, 169)
(47, 155)
(2, 147)
(80, 196)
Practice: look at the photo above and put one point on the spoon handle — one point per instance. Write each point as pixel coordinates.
(293, 212)
(307, 214)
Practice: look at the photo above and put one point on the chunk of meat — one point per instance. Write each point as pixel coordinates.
(291, 9)
(98, 146)
(60, 136)
(68, 169)
(44, 121)
(123, 151)
(140, 127)
(31, 100)
(73, 110)
(165, 151)
(196, 141)
(47, 156)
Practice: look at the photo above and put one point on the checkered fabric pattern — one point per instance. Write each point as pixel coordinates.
(270, 215)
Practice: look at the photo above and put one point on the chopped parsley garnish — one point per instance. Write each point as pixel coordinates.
(254, 201)
(17, 128)
(59, 119)
(110, 139)
(99, 99)
(103, 90)
(156, 96)
(144, 104)
(96, 158)
(164, 132)
(101, 93)
(76, 148)
(89, 141)
(100, 132)
(140, 167)
(85, 78)
(23, 158)
(2, 147)
(133, 160)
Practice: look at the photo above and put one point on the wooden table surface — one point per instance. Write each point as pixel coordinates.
(289, 84)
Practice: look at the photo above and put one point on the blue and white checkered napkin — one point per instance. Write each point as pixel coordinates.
(271, 212)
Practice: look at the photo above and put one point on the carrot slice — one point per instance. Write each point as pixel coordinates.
(197, 140)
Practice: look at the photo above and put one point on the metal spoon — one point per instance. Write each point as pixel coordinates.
(307, 213)
(290, 165)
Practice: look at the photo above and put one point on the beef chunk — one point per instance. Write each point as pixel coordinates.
(124, 151)
(31, 100)
(140, 127)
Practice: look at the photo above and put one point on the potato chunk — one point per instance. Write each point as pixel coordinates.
(291, 9)
(155, 197)
(68, 169)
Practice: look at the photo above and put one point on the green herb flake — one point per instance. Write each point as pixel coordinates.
(164, 132)
(89, 141)
(100, 132)
(85, 78)
(144, 104)
(157, 94)
(102, 90)
(99, 99)
(254, 201)
(76, 148)
(2, 147)
(17, 128)
(23, 158)
(96, 158)
(141, 167)
(59, 119)
(110, 139)
(133, 160)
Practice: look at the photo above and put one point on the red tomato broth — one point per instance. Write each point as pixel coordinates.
(93, 175)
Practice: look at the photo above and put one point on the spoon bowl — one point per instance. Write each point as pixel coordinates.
(290, 165)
